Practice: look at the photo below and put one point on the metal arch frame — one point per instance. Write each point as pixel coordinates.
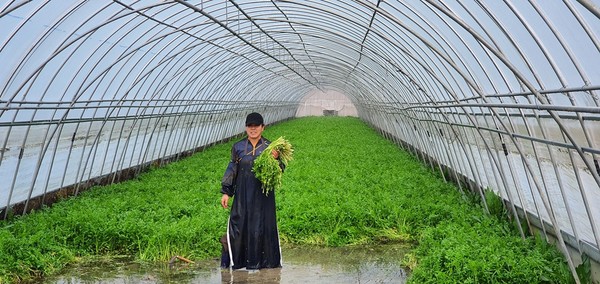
(506, 62)
(87, 135)
(274, 40)
(440, 38)
(584, 25)
(475, 175)
(152, 131)
(27, 131)
(7, 8)
(543, 100)
(543, 135)
(39, 67)
(590, 6)
(577, 148)
(336, 34)
(233, 32)
(299, 36)
(339, 27)
(46, 147)
(290, 23)
(434, 87)
(586, 80)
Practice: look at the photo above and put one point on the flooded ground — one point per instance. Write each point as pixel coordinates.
(301, 264)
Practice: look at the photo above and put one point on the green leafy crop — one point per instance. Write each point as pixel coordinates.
(267, 169)
(346, 185)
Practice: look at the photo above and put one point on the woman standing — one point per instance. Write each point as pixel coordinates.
(252, 238)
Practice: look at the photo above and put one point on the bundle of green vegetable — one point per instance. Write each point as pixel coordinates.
(266, 167)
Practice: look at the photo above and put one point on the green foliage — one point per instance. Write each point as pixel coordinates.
(267, 169)
(167, 211)
(478, 252)
(346, 185)
(495, 205)
(584, 270)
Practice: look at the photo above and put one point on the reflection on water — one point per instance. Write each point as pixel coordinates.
(301, 264)
(267, 276)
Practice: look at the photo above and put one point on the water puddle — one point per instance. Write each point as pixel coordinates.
(301, 264)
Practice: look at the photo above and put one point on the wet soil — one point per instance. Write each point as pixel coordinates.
(301, 264)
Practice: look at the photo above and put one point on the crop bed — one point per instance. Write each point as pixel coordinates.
(346, 185)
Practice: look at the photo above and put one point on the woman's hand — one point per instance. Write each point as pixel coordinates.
(275, 154)
(225, 201)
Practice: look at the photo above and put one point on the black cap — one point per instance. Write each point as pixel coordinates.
(254, 118)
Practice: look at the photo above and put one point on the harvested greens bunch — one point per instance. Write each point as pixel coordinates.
(266, 168)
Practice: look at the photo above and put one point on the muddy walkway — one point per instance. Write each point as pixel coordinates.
(301, 264)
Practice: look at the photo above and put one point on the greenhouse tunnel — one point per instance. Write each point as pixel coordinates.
(494, 95)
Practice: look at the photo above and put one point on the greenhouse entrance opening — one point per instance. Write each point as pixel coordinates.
(327, 103)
